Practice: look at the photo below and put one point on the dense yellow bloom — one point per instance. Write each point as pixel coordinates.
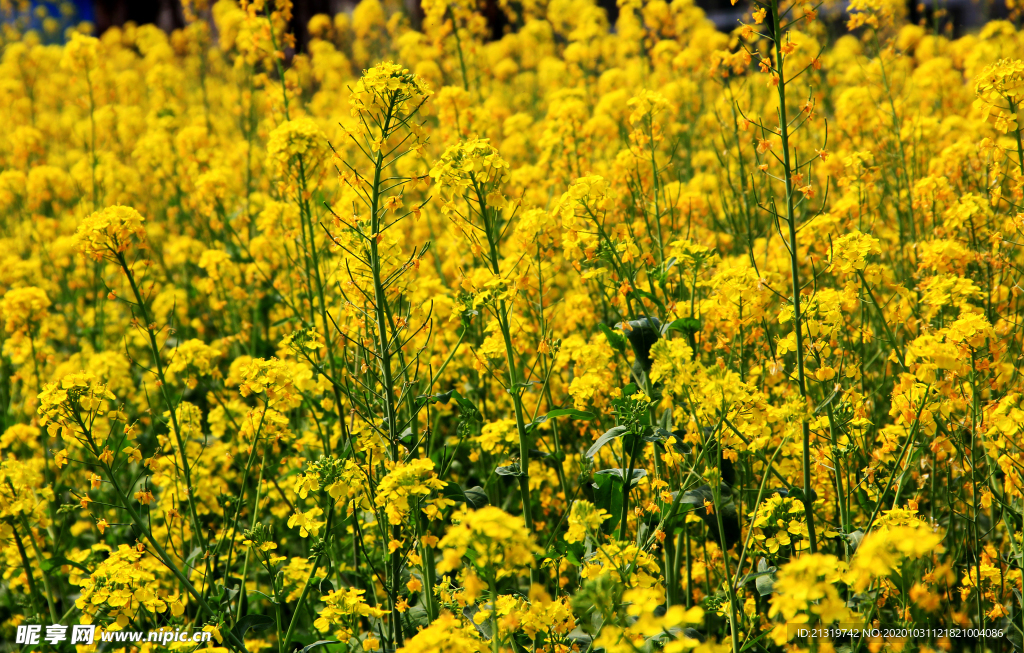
(777, 523)
(75, 396)
(583, 518)
(881, 552)
(806, 587)
(125, 583)
(497, 437)
(22, 493)
(470, 167)
(342, 612)
(850, 252)
(194, 358)
(275, 378)
(404, 482)
(499, 541)
(386, 85)
(81, 54)
(550, 254)
(447, 634)
(110, 231)
(1000, 88)
(294, 141)
(22, 307)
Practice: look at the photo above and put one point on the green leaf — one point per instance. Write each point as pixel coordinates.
(648, 295)
(854, 539)
(508, 470)
(476, 497)
(637, 474)
(665, 419)
(251, 622)
(688, 325)
(697, 496)
(323, 642)
(657, 435)
(59, 561)
(642, 334)
(863, 501)
(522, 385)
(193, 556)
(608, 495)
(763, 570)
(570, 412)
(407, 438)
(572, 557)
(609, 435)
(418, 618)
(484, 627)
(616, 340)
(754, 641)
(560, 412)
(828, 400)
(454, 492)
(796, 492)
(765, 582)
(444, 397)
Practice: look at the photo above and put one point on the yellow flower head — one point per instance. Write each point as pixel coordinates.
(110, 232)
(808, 585)
(294, 141)
(21, 307)
(274, 377)
(340, 607)
(999, 89)
(387, 85)
(470, 167)
(407, 480)
(447, 633)
(194, 358)
(499, 540)
(81, 393)
(623, 562)
(882, 551)
(850, 252)
(81, 54)
(584, 517)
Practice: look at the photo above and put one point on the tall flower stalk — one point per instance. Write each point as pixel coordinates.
(380, 382)
(474, 172)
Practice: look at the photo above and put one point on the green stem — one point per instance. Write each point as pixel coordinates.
(495, 643)
(161, 552)
(458, 48)
(627, 479)
(305, 588)
(795, 271)
(248, 551)
(380, 305)
(734, 634)
(881, 316)
(42, 569)
(493, 235)
(155, 349)
(32, 588)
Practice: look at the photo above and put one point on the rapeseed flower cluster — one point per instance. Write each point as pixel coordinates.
(621, 333)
